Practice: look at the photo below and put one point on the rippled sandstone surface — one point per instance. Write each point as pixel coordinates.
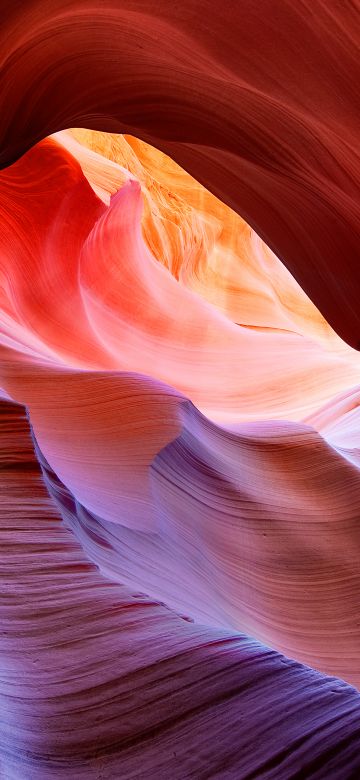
(180, 420)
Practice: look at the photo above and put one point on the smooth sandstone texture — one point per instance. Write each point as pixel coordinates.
(258, 101)
(100, 681)
(162, 417)
(194, 407)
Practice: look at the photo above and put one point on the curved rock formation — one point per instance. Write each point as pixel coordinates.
(183, 341)
(238, 523)
(99, 680)
(259, 102)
